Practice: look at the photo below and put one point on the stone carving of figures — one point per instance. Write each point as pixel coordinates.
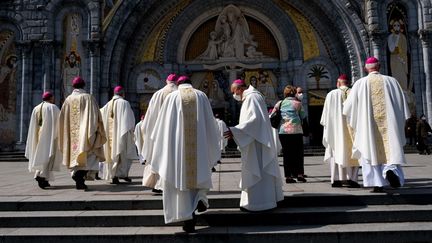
(231, 37)
(240, 36)
(211, 53)
(233, 31)
(397, 44)
(223, 28)
(251, 49)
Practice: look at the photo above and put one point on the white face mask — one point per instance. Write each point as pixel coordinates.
(300, 96)
(237, 97)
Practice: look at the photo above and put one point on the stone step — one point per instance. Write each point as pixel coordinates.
(12, 156)
(310, 151)
(343, 233)
(221, 217)
(220, 201)
(18, 156)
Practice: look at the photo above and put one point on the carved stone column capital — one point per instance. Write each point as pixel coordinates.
(376, 34)
(425, 36)
(24, 47)
(47, 45)
(93, 46)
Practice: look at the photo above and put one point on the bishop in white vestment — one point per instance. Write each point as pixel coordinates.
(149, 123)
(139, 139)
(185, 142)
(377, 110)
(42, 149)
(222, 127)
(119, 123)
(261, 183)
(81, 134)
(337, 138)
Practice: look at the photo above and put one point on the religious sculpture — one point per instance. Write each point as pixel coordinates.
(211, 53)
(231, 38)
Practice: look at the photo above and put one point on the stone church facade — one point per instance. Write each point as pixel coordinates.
(268, 43)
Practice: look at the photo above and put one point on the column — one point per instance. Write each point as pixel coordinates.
(47, 46)
(416, 72)
(24, 49)
(94, 50)
(373, 27)
(426, 37)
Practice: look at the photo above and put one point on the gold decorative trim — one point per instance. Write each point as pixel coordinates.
(189, 109)
(380, 117)
(153, 47)
(107, 20)
(305, 29)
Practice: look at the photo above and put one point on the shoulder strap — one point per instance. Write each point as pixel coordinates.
(40, 120)
(279, 104)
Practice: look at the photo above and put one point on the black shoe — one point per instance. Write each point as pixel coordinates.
(201, 207)
(127, 179)
(336, 184)
(97, 177)
(393, 179)
(157, 191)
(213, 169)
(115, 180)
(290, 180)
(219, 162)
(41, 182)
(189, 226)
(46, 184)
(378, 189)
(245, 210)
(78, 177)
(353, 184)
(301, 178)
(81, 186)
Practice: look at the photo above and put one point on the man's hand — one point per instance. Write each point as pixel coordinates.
(228, 134)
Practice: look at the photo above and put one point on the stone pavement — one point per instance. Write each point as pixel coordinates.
(18, 184)
(311, 212)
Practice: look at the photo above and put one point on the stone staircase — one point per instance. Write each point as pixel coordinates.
(299, 218)
(308, 151)
(12, 156)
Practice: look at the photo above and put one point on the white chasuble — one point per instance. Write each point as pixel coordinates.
(337, 135)
(147, 127)
(376, 109)
(139, 140)
(149, 122)
(42, 149)
(261, 183)
(120, 150)
(186, 147)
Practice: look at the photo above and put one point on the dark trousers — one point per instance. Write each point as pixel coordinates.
(423, 145)
(292, 149)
